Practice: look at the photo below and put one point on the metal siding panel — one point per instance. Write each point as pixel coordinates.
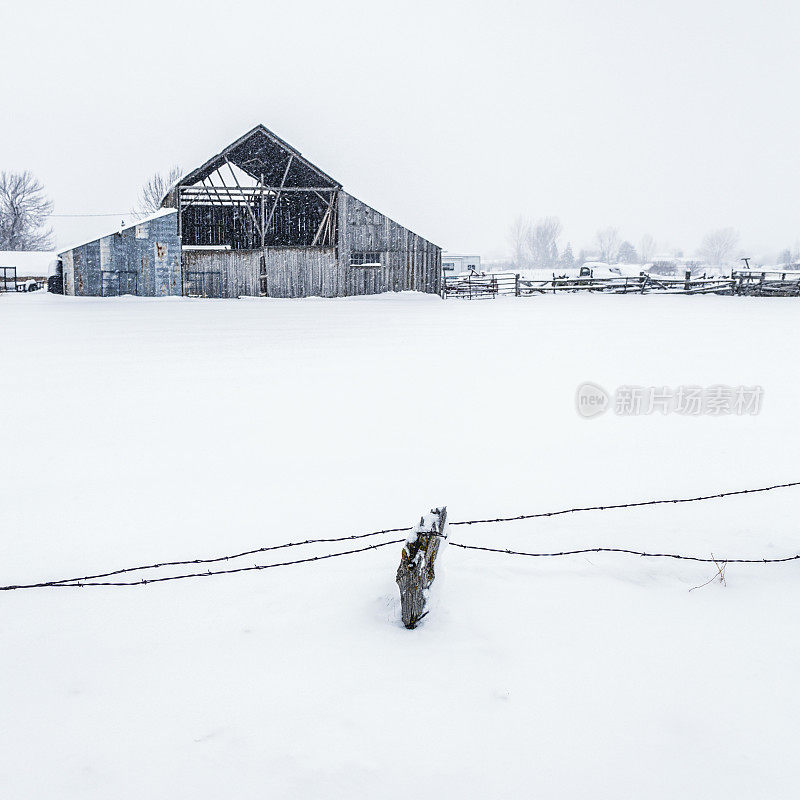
(69, 272)
(93, 269)
(79, 267)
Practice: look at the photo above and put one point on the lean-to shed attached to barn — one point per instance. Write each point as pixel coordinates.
(143, 258)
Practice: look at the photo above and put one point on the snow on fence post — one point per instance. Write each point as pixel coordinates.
(687, 286)
(416, 572)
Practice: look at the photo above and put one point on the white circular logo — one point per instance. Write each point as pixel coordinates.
(591, 400)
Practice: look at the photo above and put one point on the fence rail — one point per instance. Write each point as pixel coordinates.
(766, 283)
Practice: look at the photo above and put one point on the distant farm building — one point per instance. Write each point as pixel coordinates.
(453, 264)
(258, 219)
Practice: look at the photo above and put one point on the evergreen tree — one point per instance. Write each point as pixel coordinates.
(567, 259)
(627, 254)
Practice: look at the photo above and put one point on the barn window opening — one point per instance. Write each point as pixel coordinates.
(364, 259)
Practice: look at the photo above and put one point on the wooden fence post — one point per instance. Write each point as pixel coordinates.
(417, 565)
(688, 278)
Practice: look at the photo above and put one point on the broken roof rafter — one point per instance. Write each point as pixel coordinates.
(264, 157)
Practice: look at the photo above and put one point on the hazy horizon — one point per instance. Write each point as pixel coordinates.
(669, 119)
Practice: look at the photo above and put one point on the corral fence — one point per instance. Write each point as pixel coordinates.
(8, 279)
(475, 287)
(763, 283)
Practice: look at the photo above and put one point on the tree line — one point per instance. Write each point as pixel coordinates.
(535, 245)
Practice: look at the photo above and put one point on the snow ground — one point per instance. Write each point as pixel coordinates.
(149, 430)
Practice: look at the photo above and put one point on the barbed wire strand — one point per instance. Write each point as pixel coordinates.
(85, 579)
(627, 505)
(231, 557)
(209, 573)
(718, 559)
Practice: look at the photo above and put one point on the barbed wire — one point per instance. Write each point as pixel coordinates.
(627, 505)
(93, 580)
(323, 540)
(718, 559)
(209, 573)
(217, 559)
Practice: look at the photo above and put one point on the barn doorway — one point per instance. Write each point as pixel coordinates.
(204, 284)
(118, 282)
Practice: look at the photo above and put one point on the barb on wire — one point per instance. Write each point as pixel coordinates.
(627, 505)
(208, 573)
(629, 552)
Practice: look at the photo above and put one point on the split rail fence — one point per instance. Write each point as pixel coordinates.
(767, 283)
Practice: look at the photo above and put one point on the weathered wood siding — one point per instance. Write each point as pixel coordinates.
(302, 272)
(289, 271)
(238, 270)
(150, 250)
(408, 262)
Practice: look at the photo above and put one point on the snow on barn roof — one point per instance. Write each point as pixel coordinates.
(29, 263)
(162, 212)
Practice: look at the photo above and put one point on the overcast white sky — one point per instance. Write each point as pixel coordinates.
(668, 118)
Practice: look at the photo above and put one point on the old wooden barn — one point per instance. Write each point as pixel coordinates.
(257, 219)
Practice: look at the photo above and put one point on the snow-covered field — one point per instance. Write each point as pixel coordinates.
(146, 430)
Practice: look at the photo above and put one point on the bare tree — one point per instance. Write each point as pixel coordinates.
(608, 242)
(543, 242)
(718, 246)
(518, 236)
(153, 192)
(24, 211)
(647, 248)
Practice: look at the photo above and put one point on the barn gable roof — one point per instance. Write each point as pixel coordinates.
(265, 157)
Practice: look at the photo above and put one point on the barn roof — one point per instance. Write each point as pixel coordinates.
(263, 155)
(123, 226)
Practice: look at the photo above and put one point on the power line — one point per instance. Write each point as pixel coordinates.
(94, 214)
